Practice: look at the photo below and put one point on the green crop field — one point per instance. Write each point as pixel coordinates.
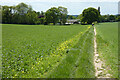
(47, 51)
(38, 50)
(107, 41)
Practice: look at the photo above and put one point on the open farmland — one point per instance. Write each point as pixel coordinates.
(34, 51)
(107, 42)
(47, 51)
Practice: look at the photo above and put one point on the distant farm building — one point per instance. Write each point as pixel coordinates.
(73, 21)
(41, 16)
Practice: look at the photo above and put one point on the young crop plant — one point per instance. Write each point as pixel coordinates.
(33, 51)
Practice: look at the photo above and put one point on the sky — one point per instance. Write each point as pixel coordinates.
(74, 7)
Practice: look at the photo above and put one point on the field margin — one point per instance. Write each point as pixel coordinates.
(0, 42)
(119, 50)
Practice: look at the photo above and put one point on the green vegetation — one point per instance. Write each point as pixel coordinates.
(36, 50)
(78, 63)
(109, 18)
(55, 15)
(42, 51)
(62, 14)
(107, 42)
(54, 18)
(71, 17)
(54, 51)
(90, 15)
(24, 14)
(19, 14)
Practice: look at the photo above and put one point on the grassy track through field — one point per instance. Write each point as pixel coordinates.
(78, 63)
(107, 42)
(61, 51)
(99, 69)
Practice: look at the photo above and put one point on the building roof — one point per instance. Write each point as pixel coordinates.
(73, 20)
(41, 16)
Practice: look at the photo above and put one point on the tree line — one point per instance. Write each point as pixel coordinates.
(91, 15)
(24, 14)
(109, 18)
(103, 18)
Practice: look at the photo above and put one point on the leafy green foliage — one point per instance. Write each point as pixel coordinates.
(32, 18)
(71, 17)
(24, 14)
(22, 8)
(52, 15)
(79, 16)
(118, 18)
(90, 15)
(6, 14)
(20, 14)
(62, 14)
(112, 17)
(109, 18)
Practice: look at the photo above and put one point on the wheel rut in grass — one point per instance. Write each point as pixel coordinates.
(77, 62)
(100, 70)
(78, 70)
(61, 52)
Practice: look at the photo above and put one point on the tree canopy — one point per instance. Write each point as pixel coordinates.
(111, 17)
(62, 14)
(90, 15)
(20, 14)
(24, 14)
(52, 15)
(71, 17)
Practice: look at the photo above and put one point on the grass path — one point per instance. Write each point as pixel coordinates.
(107, 47)
(78, 63)
(101, 71)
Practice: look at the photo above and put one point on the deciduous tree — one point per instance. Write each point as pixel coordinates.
(52, 15)
(62, 14)
(90, 15)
